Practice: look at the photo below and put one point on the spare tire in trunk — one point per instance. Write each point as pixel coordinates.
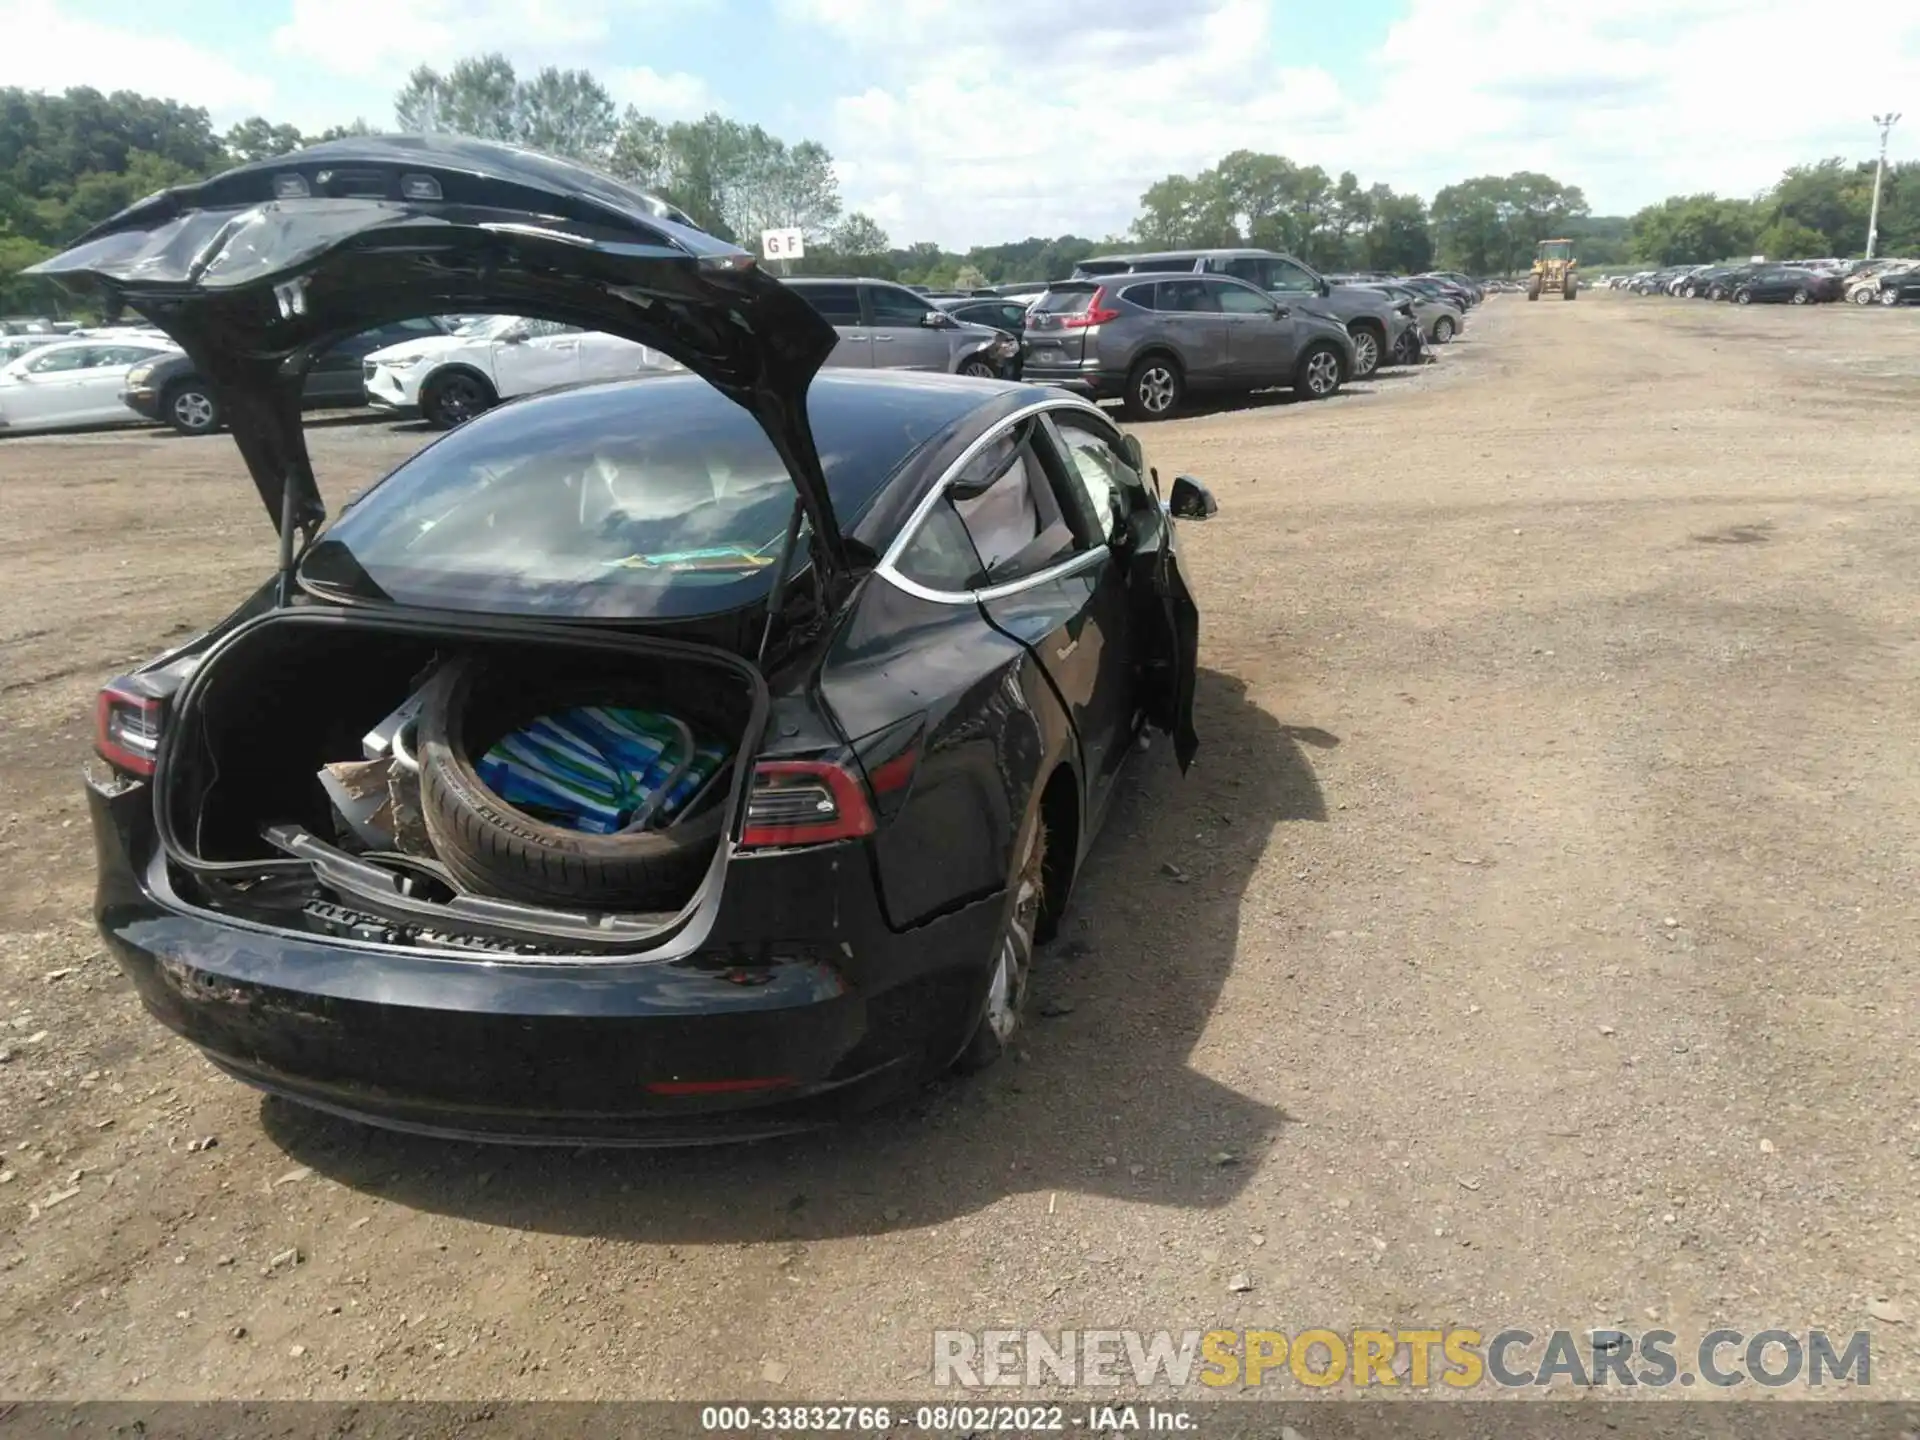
(555, 753)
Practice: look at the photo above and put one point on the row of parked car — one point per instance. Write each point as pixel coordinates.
(1152, 329)
(1149, 329)
(1801, 282)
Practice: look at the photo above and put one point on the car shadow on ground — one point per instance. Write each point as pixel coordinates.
(1102, 1097)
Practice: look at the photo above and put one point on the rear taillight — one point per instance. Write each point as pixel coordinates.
(805, 802)
(126, 728)
(1096, 313)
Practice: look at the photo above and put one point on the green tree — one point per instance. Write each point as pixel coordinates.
(1788, 239)
(1692, 230)
(1492, 223)
(258, 138)
(1398, 238)
(566, 112)
(1251, 198)
(859, 237)
(24, 294)
(778, 186)
(477, 97)
(1829, 200)
(561, 112)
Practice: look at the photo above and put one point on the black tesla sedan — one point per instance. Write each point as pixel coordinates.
(692, 757)
(1783, 285)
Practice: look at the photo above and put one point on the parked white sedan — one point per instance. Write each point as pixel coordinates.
(447, 379)
(72, 383)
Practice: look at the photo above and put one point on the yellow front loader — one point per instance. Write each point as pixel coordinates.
(1553, 267)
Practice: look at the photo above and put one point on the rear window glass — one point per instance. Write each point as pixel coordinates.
(660, 499)
(1065, 302)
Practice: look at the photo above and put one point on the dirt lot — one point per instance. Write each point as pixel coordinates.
(1543, 949)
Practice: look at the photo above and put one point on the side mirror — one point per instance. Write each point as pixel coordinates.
(1281, 312)
(939, 320)
(1191, 500)
(514, 337)
(1325, 289)
(1135, 456)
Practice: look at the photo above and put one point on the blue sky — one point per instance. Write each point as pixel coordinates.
(964, 121)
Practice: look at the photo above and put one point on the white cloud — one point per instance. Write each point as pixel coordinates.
(1002, 121)
(674, 96)
(381, 39)
(46, 50)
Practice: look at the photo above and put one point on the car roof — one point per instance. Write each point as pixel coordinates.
(1134, 276)
(68, 342)
(802, 280)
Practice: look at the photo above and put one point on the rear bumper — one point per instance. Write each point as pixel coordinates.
(1081, 378)
(745, 1037)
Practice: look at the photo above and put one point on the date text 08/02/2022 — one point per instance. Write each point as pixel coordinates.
(946, 1419)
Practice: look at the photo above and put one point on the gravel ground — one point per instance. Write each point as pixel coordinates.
(1541, 948)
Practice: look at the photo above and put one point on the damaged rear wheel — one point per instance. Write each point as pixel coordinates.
(495, 848)
(1012, 975)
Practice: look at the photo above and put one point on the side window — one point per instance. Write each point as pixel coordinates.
(894, 306)
(1011, 513)
(1240, 299)
(839, 304)
(77, 358)
(1101, 469)
(1013, 317)
(1187, 295)
(1253, 269)
(941, 554)
(119, 355)
(546, 329)
(1285, 275)
(1141, 295)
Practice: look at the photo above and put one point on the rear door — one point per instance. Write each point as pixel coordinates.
(1260, 344)
(902, 339)
(838, 301)
(97, 385)
(1044, 582)
(608, 357)
(536, 355)
(1190, 318)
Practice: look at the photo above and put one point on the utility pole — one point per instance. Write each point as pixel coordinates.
(1886, 123)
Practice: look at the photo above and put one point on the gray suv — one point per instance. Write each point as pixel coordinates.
(884, 326)
(1152, 339)
(1384, 331)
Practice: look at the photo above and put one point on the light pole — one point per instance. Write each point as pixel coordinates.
(1886, 123)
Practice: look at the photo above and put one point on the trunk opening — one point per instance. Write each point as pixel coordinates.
(254, 832)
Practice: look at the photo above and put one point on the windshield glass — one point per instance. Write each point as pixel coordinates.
(656, 499)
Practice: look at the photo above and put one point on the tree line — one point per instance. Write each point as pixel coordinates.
(1814, 210)
(68, 161)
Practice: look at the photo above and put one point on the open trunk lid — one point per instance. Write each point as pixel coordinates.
(257, 270)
